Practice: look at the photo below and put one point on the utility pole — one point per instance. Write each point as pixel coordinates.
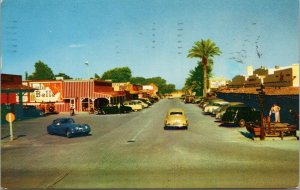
(261, 98)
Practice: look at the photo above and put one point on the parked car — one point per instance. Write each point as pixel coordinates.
(146, 101)
(240, 114)
(206, 101)
(221, 110)
(134, 105)
(32, 111)
(68, 127)
(141, 103)
(113, 109)
(176, 119)
(189, 99)
(211, 107)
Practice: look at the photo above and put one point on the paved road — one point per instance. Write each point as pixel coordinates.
(133, 151)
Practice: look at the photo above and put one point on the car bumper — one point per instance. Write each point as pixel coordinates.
(176, 127)
(80, 131)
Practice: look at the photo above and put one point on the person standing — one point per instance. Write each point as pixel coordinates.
(276, 110)
(72, 110)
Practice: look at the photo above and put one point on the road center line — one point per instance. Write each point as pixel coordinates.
(140, 131)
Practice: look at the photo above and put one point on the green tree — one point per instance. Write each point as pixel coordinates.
(121, 74)
(204, 50)
(26, 75)
(63, 75)
(138, 80)
(162, 85)
(42, 72)
(97, 76)
(194, 82)
(168, 88)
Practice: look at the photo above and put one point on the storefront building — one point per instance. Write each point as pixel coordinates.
(59, 95)
(12, 92)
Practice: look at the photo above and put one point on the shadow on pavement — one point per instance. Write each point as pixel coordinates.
(247, 134)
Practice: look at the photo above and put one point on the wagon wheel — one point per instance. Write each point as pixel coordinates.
(242, 123)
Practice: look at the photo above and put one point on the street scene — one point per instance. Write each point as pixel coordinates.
(142, 94)
(134, 151)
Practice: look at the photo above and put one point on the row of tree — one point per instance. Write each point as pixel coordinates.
(197, 81)
(120, 74)
(123, 74)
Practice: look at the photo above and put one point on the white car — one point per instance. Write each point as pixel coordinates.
(212, 107)
(141, 103)
(134, 105)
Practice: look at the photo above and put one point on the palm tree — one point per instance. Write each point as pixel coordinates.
(204, 50)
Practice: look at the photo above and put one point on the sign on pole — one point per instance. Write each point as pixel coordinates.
(10, 117)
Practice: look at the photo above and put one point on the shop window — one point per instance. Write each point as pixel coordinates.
(67, 100)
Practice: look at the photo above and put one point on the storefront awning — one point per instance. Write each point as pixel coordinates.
(16, 88)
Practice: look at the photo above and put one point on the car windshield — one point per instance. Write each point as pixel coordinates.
(176, 113)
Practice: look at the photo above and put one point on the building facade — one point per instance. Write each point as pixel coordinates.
(272, 77)
(81, 94)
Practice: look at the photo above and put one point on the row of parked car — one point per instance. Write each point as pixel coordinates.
(126, 106)
(229, 113)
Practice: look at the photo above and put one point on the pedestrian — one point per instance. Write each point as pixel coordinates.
(72, 110)
(276, 110)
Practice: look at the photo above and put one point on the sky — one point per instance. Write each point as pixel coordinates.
(151, 37)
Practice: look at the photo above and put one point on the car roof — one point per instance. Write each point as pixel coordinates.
(236, 103)
(238, 106)
(62, 118)
(176, 110)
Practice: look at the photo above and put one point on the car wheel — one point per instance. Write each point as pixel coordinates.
(242, 123)
(68, 134)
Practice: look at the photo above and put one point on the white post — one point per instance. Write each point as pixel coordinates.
(88, 73)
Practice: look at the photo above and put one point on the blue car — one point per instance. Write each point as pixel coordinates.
(68, 127)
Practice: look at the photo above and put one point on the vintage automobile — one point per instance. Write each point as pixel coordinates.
(141, 103)
(134, 105)
(206, 101)
(221, 110)
(211, 107)
(68, 127)
(176, 119)
(146, 101)
(32, 111)
(239, 115)
(189, 99)
(113, 109)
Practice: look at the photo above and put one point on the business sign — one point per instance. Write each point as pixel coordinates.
(47, 91)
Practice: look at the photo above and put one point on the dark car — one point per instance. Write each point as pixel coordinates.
(32, 111)
(240, 114)
(113, 109)
(68, 127)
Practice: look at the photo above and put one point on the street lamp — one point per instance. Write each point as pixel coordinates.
(88, 74)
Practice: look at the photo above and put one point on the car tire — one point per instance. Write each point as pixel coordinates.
(51, 109)
(68, 134)
(242, 123)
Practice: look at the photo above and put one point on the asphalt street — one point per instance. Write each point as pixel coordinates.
(134, 151)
